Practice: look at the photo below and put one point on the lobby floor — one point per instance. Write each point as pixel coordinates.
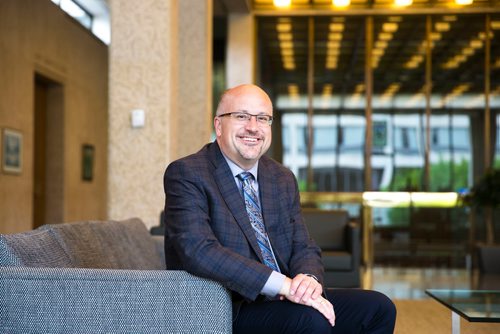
(411, 283)
(417, 312)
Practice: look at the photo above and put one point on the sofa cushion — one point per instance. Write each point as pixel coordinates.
(109, 244)
(333, 260)
(36, 248)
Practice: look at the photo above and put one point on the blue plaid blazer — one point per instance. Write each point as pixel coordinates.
(208, 232)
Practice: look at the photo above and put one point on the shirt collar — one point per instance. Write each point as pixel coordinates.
(236, 170)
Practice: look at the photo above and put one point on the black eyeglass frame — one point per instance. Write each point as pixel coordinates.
(265, 119)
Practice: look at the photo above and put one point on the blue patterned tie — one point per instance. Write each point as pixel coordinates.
(255, 215)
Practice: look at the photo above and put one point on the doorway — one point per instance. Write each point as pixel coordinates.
(48, 178)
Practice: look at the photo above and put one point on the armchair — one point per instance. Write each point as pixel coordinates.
(339, 240)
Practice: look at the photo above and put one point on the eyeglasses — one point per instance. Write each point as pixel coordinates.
(243, 117)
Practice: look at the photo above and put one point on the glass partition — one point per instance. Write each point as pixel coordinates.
(495, 84)
(408, 115)
(398, 63)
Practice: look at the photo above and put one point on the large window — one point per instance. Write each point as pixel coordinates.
(388, 103)
(425, 106)
(93, 15)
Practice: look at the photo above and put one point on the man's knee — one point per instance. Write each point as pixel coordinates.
(386, 305)
(312, 321)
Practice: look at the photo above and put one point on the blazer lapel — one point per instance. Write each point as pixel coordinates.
(234, 201)
(269, 193)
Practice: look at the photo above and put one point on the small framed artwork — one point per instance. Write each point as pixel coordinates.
(88, 153)
(12, 151)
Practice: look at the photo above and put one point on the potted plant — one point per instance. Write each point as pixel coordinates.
(485, 195)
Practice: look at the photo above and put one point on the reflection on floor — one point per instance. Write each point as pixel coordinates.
(411, 283)
(416, 312)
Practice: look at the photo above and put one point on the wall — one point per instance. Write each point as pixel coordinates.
(37, 37)
(160, 62)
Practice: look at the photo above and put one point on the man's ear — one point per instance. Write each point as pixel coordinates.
(217, 126)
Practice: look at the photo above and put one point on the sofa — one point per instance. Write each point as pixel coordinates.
(339, 240)
(102, 277)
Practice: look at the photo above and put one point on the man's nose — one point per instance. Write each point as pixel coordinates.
(252, 123)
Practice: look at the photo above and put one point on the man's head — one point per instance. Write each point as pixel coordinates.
(244, 140)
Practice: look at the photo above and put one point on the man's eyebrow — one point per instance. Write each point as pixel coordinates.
(248, 112)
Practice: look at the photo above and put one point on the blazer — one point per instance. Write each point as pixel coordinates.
(208, 233)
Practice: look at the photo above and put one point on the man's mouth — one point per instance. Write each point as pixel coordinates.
(250, 140)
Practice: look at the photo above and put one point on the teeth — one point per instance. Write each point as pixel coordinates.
(250, 139)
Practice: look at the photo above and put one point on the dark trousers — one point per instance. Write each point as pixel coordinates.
(356, 311)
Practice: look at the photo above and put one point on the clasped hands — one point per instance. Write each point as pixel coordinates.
(305, 290)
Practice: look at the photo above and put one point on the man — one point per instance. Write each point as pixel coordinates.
(233, 215)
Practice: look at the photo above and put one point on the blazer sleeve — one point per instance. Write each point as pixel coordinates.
(190, 211)
(305, 256)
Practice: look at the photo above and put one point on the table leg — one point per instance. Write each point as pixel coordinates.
(455, 323)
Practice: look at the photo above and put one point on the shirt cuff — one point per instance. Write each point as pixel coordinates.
(273, 284)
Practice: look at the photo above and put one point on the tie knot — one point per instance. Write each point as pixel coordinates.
(245, 176)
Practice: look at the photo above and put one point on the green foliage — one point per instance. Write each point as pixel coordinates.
(486, 192)
(442, 172)
(399, 217)
(406, 179)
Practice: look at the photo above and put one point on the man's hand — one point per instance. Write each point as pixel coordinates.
(305, 290)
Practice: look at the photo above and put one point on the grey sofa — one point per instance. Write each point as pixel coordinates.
(102, 277)
(339, 240)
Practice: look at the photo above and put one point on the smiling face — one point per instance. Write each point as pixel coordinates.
(243, 142)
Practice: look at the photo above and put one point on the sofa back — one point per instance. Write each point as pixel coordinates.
(37, 248)
(327, 227)
(91, 244)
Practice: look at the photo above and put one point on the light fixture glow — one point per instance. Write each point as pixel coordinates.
(293, 89)
(468, 51)
(282, 3)
(336, 27)
(403, 3)
(442, 26)
(284, 27)
(385, 36)
(476, 43)
(333, 52)
(381, 44)
(286, 45)
(435, 36)
(390, 27)
(285, 36)
(333, 44)
(463, 2)
(327, 89)
(341, 3)
(334, 36)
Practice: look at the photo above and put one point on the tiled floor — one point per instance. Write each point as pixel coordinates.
(411, 283)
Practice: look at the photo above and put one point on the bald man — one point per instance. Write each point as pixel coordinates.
(233, 215)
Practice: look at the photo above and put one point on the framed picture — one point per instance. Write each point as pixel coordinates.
(12, 151)
(88, 153)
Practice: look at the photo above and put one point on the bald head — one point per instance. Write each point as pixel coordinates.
(230, 97)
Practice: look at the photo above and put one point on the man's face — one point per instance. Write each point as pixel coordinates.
(244, 142)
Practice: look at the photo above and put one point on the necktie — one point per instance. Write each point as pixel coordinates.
(255, 216)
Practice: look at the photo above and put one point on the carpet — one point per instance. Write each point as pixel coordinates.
(430, 317)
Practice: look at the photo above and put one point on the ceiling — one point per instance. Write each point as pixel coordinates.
(339, 42)
(399, 49)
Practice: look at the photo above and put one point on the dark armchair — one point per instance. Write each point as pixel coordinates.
(339, 239)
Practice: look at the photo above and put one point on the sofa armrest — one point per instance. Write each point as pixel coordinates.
(354, 243)
(71, 300)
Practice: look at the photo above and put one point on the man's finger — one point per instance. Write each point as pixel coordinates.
(296, 282)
